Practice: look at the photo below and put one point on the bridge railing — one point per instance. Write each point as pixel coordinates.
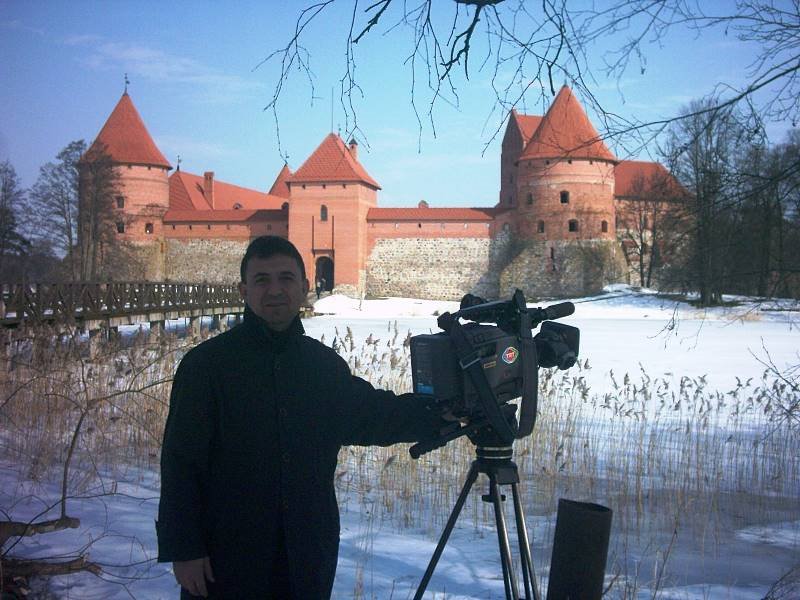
(99, 300)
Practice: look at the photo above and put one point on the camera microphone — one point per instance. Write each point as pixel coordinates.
(556, 311)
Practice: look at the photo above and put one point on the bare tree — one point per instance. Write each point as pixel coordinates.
(74, 203)
(98, 215)
(651, 223)
(528, 49)
(704, 152)
(54, 204)
(12, 242)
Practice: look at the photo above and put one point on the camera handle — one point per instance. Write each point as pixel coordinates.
(470, 362)
(530, 378)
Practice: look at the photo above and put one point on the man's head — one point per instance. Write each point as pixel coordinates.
(274, 283)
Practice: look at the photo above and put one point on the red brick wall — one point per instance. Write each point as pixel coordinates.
(345, 231)
(591, 199)
(146, 194)
(225, 231)
(511, 149)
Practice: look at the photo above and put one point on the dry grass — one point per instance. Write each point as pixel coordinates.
(667, 456)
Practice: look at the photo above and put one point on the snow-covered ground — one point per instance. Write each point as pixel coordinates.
(624, 331)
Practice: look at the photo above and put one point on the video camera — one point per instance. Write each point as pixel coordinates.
(474, 371)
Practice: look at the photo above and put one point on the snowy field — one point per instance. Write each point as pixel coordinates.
(712, 511)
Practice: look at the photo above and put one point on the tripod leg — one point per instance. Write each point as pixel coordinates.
(528, 575)
(509, 577)
(448, 528)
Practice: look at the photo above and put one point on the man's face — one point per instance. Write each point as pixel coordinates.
(274, 289)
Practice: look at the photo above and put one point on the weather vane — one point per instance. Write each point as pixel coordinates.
(179, 162)
(126, 83)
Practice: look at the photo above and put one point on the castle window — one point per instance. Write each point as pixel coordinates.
(530, 198)
(148, 228)
(190, 227)
(120, 201)
(323, 213)
(573, 225)
(540, 227)
(465, 225)
(506, 227)
(324, 187)
(569, 161)
(209, 227)
(237, 206)
(564, 197)
(148, 167)
(303, 186)
(120, 227)
(344, 186)
(604, 226)
(419, 225)
(396, 225)
(285, 206)
(173, 228)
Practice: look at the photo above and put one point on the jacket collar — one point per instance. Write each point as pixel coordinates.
(278, 339)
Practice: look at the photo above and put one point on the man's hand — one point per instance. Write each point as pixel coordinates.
(192, 575)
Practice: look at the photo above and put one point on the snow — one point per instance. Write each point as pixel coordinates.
(623, 331)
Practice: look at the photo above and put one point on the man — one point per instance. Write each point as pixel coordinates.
(320, 286)
(257, 416)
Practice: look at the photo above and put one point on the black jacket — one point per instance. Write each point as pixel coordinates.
(254, 429)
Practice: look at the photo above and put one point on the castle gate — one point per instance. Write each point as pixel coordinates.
(323, 269)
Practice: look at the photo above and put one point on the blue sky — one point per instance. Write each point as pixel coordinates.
(193, 78)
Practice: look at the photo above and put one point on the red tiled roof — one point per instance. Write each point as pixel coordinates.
(431, 214)
(629, 173)
(527, 124)
(280, 187)
(217, 216)
(565, 131)
(124, 137)
(186, 193)
(332, 161)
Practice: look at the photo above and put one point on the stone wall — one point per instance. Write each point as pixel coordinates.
(436, 268)
(558, 269)
(212, 261)
(131, 261)
(444, 268)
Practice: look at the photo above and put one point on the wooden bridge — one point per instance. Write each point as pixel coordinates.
(94, 306)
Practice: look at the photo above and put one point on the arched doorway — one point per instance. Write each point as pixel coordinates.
(324, 270)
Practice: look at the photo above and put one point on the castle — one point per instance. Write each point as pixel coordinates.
(552, 232)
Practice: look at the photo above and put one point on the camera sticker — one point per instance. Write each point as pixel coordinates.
(510, 355)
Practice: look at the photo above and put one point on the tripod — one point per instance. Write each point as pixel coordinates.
(497, 465)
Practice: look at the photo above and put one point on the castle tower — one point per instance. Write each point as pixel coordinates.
(518, 133)
(142, 196)
(558, 186)
(330, 195)
(565, 177)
